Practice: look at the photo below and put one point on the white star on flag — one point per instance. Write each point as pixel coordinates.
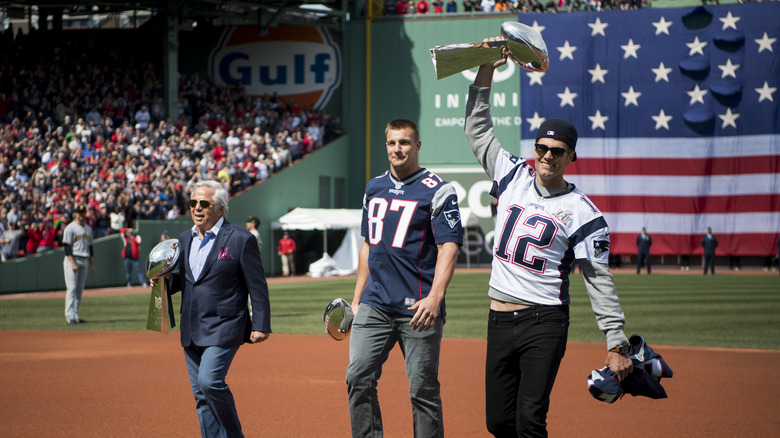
(630, 49)
(566, 51)
(631, 97)
(766, 92)
(765, 43)
(597, 74)
(728, 69)
(696, 46)
(567, 97)
(729, 119)
(697, 95)
(535, 121)
(598, 121)
(535, 77)
(662, 26)
(537, 27)
(729, 21)
(662, 72)
(662, 120)
(598, 27)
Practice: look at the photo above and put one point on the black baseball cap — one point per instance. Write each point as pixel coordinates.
(254, 220)
(80, 208)
(561, 130)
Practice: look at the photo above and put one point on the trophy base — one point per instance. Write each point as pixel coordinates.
(157, 320)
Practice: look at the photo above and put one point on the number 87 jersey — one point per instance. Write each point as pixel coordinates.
(403, 222)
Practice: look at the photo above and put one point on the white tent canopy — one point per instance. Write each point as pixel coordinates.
(345, 259)
(308, 219)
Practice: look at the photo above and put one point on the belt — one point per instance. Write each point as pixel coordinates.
(513, 316)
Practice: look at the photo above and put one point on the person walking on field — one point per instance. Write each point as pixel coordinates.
(219, 270)
(412, 230)
(77, 242)
(544, 224)
(286, 250)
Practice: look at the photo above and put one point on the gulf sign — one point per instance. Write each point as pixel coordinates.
(299, 62)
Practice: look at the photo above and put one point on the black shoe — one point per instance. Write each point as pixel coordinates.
(72, 321)
(81, 321)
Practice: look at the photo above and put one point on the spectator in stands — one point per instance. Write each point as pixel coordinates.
(143, 118)
(422, 7)
(117, 219)
(390, 7)
(469, 6)
(173, 213)
(487, 5)
(102, 222)
(48, 237)
(452, 6)
(34, 236)
(438, 6)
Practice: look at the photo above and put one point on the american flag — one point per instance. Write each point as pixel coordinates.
(678, 113)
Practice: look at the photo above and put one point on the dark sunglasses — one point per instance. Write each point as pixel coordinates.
(556, 152)
(203, 203)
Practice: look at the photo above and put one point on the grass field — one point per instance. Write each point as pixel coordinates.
(733, 311)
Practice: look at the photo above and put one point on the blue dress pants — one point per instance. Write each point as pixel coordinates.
(208, 367)
(524, 351)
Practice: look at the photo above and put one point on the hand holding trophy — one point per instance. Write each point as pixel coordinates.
(161, 261)
(526, 49)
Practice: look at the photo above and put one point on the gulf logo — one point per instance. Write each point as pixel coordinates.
(299, 62)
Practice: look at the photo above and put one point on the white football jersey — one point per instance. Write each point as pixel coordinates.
(538, 238)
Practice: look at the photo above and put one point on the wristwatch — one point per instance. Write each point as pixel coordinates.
(622, 349)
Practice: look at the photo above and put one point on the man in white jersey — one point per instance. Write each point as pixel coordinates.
(77, 241)
(543, 225)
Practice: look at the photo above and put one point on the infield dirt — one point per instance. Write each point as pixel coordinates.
(134, 384)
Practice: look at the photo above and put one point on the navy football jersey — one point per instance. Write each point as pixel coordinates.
(403, 222)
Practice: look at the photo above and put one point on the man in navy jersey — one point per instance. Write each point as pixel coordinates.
(543, 224)
(412, 230)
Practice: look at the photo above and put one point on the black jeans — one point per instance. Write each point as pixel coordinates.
(524, 351)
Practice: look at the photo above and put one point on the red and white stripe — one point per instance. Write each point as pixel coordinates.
(676, 188)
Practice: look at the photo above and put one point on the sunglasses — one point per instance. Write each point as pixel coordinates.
(203, 203)
(556, 152)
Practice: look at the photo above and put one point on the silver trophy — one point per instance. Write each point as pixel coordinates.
(526, 49)
(161, 261)
(338, 319)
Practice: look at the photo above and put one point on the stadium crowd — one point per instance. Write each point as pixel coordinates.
(83, 122)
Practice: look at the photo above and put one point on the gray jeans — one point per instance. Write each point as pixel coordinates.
(374, 333)
(74, 283)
